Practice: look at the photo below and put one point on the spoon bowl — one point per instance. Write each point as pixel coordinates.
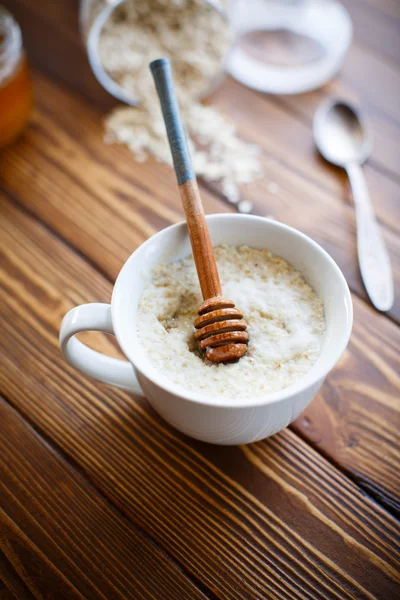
(341, 134)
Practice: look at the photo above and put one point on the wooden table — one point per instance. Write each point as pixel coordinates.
(99, 497)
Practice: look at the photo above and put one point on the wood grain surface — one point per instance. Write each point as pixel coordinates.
(51, 511)
(100, 498)
(78, 179)
(359, 396)
(279, 517)
(91, 208)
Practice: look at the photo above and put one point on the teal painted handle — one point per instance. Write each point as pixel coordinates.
(162, 74)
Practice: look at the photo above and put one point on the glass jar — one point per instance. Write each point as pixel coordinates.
(16, 98)
(214, 48)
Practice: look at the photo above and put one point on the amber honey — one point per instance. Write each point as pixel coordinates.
(15, 84)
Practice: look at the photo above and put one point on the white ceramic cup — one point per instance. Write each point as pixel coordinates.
(211, 419)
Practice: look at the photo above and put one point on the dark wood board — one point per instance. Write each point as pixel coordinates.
(262, 508)
(61, 539)
(98, 496)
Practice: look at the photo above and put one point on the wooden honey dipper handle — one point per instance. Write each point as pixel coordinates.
(221, 332)
(198, 231)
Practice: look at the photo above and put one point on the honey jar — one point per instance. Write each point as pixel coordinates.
(15, 84)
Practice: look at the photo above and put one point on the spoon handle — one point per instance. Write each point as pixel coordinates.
(203, 253)
(373, 256)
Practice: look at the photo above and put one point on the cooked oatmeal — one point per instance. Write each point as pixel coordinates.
(285, 320)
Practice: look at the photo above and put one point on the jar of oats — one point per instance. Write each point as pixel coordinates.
(123, 37)
(195, 34)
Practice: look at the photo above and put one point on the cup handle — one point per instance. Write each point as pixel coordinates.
(95, 317)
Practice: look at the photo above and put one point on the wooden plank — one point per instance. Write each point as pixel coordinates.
(6, 593)
(27, 572)
(376, 27)
(350, 417)
(96, 197)
(60, 539)
(281, 521)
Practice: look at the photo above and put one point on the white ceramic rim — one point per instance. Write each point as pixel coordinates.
(314, 375)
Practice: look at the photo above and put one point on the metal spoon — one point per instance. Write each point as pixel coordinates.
(342, 139)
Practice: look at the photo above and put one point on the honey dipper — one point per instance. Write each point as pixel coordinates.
(221, 331)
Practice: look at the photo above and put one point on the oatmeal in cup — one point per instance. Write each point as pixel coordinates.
(299, 312)
(285, 319)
